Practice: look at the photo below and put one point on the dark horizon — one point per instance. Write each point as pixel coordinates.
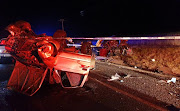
(93, 18)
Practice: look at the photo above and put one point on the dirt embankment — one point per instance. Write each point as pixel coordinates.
(159, 59)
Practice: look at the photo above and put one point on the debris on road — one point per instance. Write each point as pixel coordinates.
(172, 80)
(154, 86)
(114, 77)
(121, 75)
(121, 81)
(128, 76)
(161, 81)
(153, 60)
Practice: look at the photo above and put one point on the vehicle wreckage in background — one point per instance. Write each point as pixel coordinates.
(5, 57)
(40, 57)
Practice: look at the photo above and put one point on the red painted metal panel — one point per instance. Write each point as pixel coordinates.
(73, 62)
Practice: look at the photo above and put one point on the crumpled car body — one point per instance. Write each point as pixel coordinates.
(44, 58)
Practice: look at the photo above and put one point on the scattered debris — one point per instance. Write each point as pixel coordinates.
(114, 77)
(173, 79)
(130, 76)
(127, 76)
(162, 81)
(121, 81)
(121, 75)
(153, 60)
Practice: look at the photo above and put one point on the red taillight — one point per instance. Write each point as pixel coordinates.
(2, 42)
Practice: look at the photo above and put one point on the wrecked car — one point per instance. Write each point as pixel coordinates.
(41, 56)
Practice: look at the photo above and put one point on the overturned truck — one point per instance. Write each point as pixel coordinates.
(41, 57)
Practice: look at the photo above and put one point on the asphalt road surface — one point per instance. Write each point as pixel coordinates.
(96, 95)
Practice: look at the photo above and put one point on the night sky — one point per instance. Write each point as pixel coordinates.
(94, 18)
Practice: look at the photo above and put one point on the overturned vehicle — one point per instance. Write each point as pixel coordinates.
(40, 56)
